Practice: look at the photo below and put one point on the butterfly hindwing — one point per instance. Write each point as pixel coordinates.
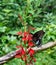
(37, 37)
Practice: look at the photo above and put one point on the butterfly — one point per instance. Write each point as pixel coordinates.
(37, 37)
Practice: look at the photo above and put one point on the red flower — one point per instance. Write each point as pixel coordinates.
(31, 52)
(24, 39)
(27, 38)
(20, 53)
(18, 56)
(23, 51)
(25, 34)
(19, 33)
(31, 44)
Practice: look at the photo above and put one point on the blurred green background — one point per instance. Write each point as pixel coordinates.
(40, 14)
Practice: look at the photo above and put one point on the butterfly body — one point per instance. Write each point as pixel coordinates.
(37, 37)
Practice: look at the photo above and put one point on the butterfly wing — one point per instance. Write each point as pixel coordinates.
(37, 37)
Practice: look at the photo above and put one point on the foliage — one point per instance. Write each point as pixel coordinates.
(40, 14)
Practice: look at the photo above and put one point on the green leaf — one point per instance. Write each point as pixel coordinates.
(7, 10)
(3, 29)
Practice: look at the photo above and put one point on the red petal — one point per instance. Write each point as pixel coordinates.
(23, 51)
(25, 34)
(31, 44)
(23, 39)
(31, 52)
(19, 33)
(18, 56)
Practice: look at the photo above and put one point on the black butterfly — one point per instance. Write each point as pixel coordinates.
(37, 37)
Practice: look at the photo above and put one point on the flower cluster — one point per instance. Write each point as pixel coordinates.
(27, 53)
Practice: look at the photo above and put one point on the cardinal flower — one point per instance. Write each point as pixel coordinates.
(25, 34)
(19, 33)
(23, 51)
(27, 37)
(30, 44)
(20, 53)
(31, 52)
